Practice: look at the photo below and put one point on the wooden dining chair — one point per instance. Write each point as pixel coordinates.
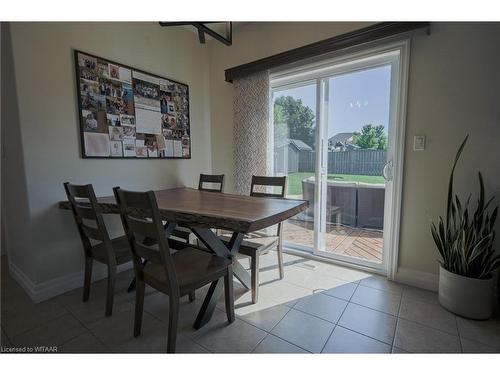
(206, 182)
(175, 273)
(256, 243)
(95, 239)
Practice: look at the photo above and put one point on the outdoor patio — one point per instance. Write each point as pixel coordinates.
(355, 242)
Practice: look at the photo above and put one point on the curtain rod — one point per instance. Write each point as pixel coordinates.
(353, 38)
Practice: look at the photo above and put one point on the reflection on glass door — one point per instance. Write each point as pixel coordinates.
(334, 136)
(356, 135)
(294, 146)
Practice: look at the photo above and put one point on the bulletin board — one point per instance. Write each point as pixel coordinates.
(128, 113)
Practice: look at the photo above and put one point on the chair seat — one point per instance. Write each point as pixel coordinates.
(194, 268)
(254, 244)
(121, 248)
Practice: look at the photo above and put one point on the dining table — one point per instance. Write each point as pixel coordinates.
(202, 212)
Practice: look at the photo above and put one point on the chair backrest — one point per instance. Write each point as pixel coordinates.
(88, 218)
(213, 179)
(141, 220)
(266, 182)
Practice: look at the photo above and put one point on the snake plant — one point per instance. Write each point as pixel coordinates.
(465, 238)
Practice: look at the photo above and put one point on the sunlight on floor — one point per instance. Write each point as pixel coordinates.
(302, 277)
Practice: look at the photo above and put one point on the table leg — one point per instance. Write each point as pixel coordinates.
(214, 243)
(208, 307)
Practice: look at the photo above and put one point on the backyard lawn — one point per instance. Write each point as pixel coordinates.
(295, 180)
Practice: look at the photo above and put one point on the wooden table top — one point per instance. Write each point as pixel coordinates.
(215, 210)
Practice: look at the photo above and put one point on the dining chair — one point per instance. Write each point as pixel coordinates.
(97, 245)
(206, 182)
(256, 243)
(174, 273)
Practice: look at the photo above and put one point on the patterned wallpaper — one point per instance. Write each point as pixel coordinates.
(251, 117)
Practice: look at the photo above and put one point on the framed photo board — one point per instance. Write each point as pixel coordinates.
(128, 113)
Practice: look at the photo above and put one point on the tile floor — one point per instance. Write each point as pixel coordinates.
(317, 308)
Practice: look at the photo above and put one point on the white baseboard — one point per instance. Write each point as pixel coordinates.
(51, 288)
(419, 279)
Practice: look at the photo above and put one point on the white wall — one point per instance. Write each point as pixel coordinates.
(43, 142)
(454, 86)
(454, 89)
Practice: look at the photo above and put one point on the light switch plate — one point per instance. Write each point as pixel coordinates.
(419, 143)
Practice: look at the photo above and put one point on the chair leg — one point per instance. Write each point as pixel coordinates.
(254, 260)
(88, 277)
(280, 257)
(229, 294)
(192, 296)
(139, 306)
(110, 293)
(173, 318)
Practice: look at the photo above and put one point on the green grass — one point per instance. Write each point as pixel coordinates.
(295, 180)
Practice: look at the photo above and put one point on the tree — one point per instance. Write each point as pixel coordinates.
(293, 120)
(371, 137)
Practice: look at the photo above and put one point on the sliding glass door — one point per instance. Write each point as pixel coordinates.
(335, 131)
(294, 149)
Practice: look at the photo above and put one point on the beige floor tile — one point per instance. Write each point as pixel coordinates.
(313, 279)
(369, 322)
(484, 331)
(396, 350)
(428, 313)
(54, 333)
(471, 346)
(188, 346)
(13, 297)
(5, 340)
(322, 306)
(157, 304)
(85, 343)
(118, 329)
(220, 337)
(265, 319)
(94, 309)
(273, 294)
(17, 321)
(377, 299)
(338, 272)
(380, 282)
(344, 291)
(423, 295)
(345, 341)
(416, 338)
(304, 330)
(274, 345)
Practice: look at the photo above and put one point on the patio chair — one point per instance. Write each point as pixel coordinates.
(95, 239)
(333, 213)
(371, 200)
(176, 273)
(343, 194)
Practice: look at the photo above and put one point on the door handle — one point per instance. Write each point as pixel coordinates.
(387, 171)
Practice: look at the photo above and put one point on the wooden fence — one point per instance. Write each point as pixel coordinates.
(358, 162)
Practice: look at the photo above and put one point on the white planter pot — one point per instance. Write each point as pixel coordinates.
(470, 298)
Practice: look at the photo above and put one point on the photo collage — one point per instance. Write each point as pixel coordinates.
(126, 113)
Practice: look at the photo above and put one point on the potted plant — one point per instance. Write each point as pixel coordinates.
(465, 243)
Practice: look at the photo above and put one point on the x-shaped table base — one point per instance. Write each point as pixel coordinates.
(215, 244)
